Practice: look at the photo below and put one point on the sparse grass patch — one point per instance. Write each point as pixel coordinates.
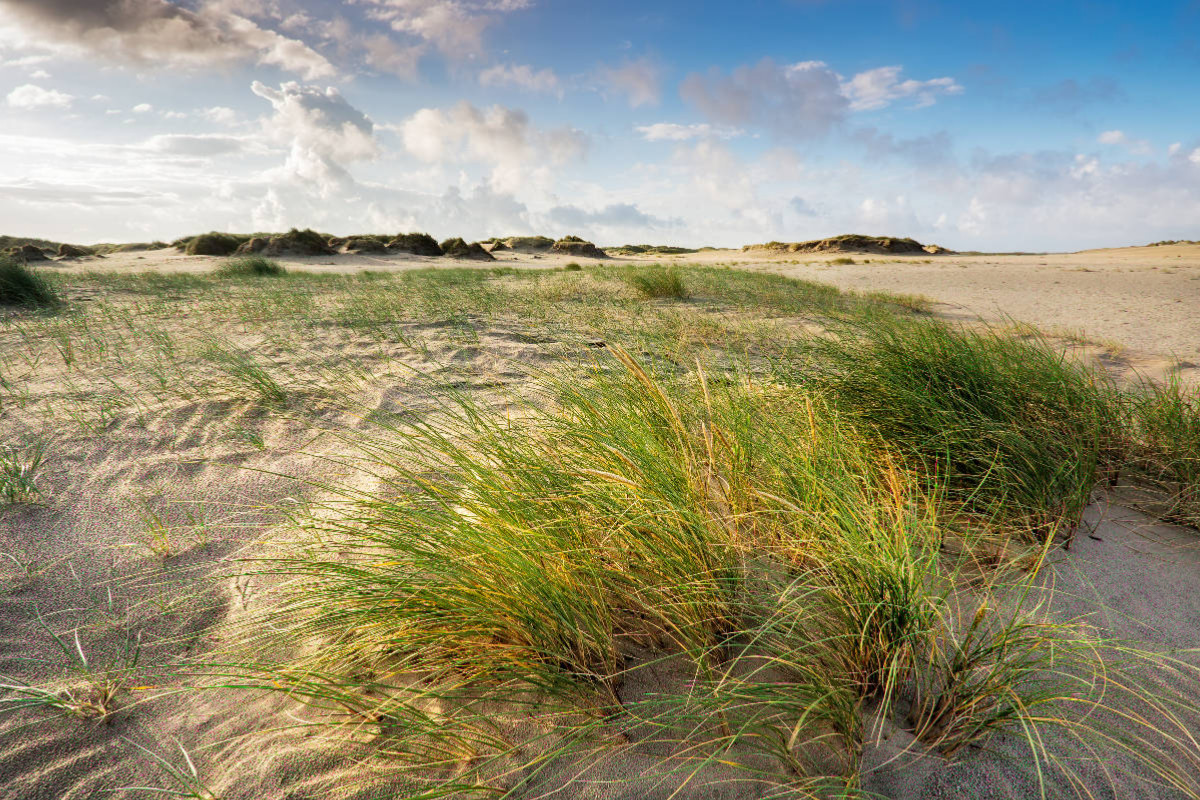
(842, 261)
(18, 474)
(89, 691)
(250, 266)
(21, 286)
(248, 376)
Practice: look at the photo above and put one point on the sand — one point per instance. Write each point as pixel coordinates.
(81, 563)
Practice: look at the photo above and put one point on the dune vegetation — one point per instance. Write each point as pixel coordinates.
(737, 526)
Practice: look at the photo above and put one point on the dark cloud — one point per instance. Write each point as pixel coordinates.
(158, 32)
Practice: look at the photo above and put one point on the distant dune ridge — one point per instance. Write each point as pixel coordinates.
(307, 242)
(852, 243)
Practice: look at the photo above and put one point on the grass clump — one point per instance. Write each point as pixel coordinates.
(1016, 429)
(791, 571)
(251, 266)
(21, 286)
(659, 282)
(1166, 421)
(213, 244)
(842, 261)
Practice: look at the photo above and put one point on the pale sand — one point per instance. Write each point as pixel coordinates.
(1145, 578)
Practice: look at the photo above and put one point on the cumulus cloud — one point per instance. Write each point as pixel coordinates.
(521, 76)
(500, 137)
(33, 96)
(143, 108)
(674, 132)
(1140, 147)
(638, 80)
(800, 100)
(877, 88)
(324, 133)
(142, 32)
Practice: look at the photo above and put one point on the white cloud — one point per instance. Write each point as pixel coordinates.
(1139, 147)
(33, 96)
(1195, 157)
(639, 80)
(197, 145)
(500, 137)
(175, 115)
(455, 27)
(674, 132)
(324, 133)
(222, 115)
(388, 56)
(522, 76)
(40, 75)
(143, 108)
(880, 87)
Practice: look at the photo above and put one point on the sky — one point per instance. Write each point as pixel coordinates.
(1050, 125)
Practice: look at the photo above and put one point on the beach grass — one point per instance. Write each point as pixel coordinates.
(22, 286)
(794, 568)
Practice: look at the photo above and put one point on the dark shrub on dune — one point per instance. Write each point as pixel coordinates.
(212, 244)
(529, 244)
(71, 251)
(298, 242)
(457, 248)
(419, 244)
(359, 244)
(293, 243)
(21, 286)
(27, 253)
(574, 246)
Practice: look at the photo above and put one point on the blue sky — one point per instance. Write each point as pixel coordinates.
(1053, 125)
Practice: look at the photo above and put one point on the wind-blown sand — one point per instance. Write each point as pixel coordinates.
(80, 563)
